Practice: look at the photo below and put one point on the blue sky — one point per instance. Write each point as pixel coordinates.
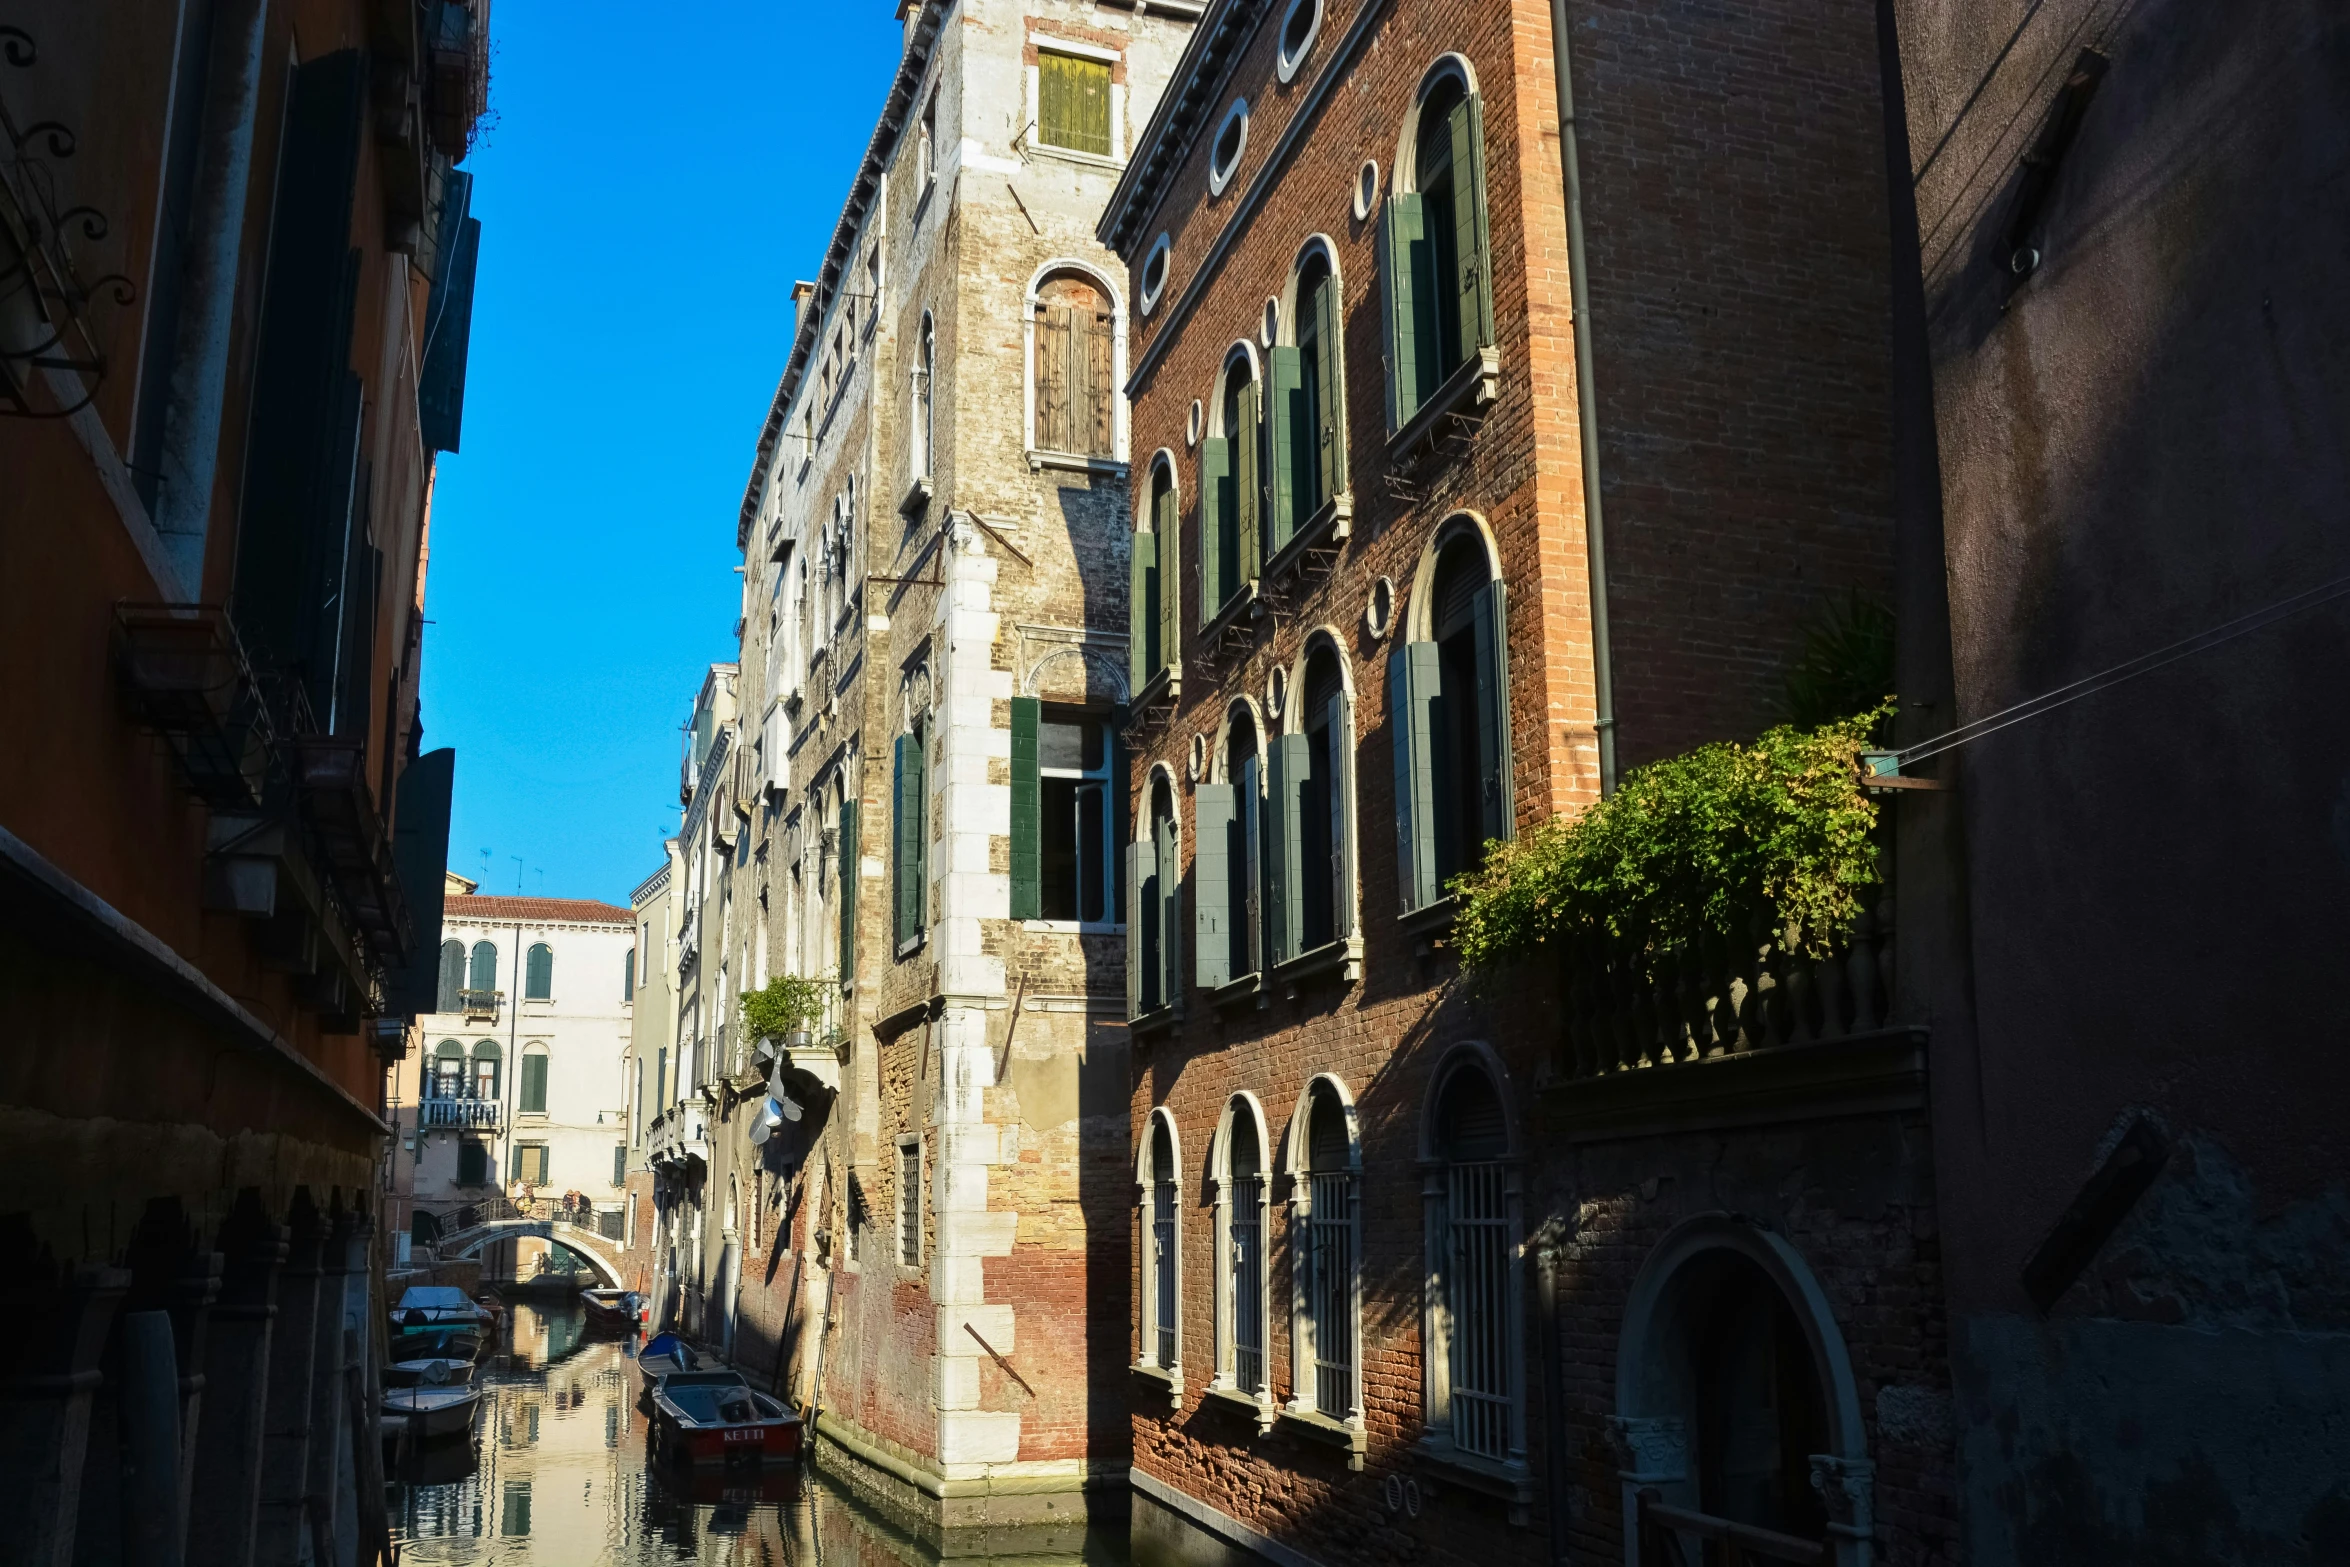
(653, 181)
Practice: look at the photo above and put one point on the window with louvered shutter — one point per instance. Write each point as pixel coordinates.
(1073, 103)
(1075, 388)
(1166, 854)
(1219, 543)
(1211, 885)
(1027, 824)
(452, 976)
(1324, 835)
(1468, 717)
(848, 891)
(533, 1094)
(909, 811)
(1286, 416)
(539, 973)
(485, 966)
(1322, 384)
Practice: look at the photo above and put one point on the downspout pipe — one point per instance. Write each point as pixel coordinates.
(1603, 680)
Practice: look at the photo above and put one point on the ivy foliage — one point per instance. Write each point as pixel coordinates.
(1844, 666)
(1688, 846)
(786, 1005)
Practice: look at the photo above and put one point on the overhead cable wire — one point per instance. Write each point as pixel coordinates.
(2146, 663)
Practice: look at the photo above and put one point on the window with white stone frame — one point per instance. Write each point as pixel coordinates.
(1473, 1318)
(1242, 1231)
(1158, 1292)
(1325, 1171)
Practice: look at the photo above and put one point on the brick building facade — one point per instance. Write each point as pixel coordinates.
(1421, 1272)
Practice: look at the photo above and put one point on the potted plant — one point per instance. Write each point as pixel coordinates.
(783, 1010)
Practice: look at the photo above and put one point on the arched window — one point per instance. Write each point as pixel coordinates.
(448, 1071)
(1228, 860)
(1152, 638)
(1474, 1305)
(1240, 1294)
(539, 973)
(1310, 810)
(1449, 719)
(452, 977)
(1434, 254)
(924, 431)
(487, 1059)
(1162, 1312)
(1308, 419)
(628, 975)
(1075, 380)
(1154, 968)
(485, 967)
(531, 1099)
(1759, 1415)
(1324, 1174)
(1231, 468)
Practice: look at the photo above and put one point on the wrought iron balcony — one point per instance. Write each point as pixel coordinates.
(185, 677)
(471, 1115)
(480, 1005)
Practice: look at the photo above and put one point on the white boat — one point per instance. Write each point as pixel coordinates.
(425, 1412)
(437, 1306)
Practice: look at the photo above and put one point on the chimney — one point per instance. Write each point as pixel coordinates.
(801, 293)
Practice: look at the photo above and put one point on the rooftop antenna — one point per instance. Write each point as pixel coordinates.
(517, 859)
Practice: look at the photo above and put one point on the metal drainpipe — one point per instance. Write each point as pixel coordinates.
(1603, 679)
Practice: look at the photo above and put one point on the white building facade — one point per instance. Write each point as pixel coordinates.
(517, 1088)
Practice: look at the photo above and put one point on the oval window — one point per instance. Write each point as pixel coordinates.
(1298, 30)
(1366, 189)
(1231, 142)
(1154, 273)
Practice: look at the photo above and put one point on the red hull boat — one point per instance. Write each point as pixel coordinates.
(713, 1417)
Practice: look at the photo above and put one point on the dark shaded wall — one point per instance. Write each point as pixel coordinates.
(2142, 440)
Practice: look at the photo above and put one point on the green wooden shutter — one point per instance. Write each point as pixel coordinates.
(1213, 815)
(1285, 384)
(1342, 815)
(1169, 859)
(1399, 244)
(1475, 243)
(849, 877)
(908, 798)
(1141, 953)
(452, 976)
(1165, 526)
(1215, 521)
(1248, 484)
(1330, 377)
(1248, 847)
(1142, 618)
(1413, 672)
(534, 1085)
(1285, 857)
(1027, 814)
(1121, 798)
(1493, 710)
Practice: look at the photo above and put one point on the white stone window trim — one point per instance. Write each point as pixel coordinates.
(1031, 142)
(1146, 1178)
(1220, 179)
(910, 1142)
(1297, 1164)
(1226, 1381)
(1161, 254)
(1286, 61)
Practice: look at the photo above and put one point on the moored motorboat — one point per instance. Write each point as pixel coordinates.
(427, 1411)
(613, 1311)
(714, 1417)
(664, 1355)
(438, 1306)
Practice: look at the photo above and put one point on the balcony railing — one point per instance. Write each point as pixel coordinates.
(1665, 1533)
(1633, 1010)
(478, 1005)
(457, 1114)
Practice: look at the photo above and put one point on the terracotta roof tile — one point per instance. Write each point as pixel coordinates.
(553, 911)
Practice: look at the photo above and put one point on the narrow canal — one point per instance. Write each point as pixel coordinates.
(558, 1473)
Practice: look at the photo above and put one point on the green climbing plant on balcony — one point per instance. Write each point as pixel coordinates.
(787, 1004)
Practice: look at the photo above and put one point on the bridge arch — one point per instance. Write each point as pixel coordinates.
(601, 1255)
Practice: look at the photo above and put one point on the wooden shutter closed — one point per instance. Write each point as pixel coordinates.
(1053, 330)
(1218, 550)
(534, 1085)
(1248, 848)
(1214, 817)
(1399, 246)
(908, 799)
(1495, 810)
(1121, 806)
(1474, 245)
(1141, 946)
(1248, 485)
(1291, 422)
(849, 877)
(1413, 675)
(1142, 618)
(1097, 408)
(1027, 814)
(1169, 860)
(1164, 525)
(452, 975)
(1330, 389)
(1285, 852)
(1342, 823)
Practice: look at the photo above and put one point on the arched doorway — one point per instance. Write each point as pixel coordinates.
(1736, 1408)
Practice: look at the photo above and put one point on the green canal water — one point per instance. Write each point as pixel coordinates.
(558, 1473)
